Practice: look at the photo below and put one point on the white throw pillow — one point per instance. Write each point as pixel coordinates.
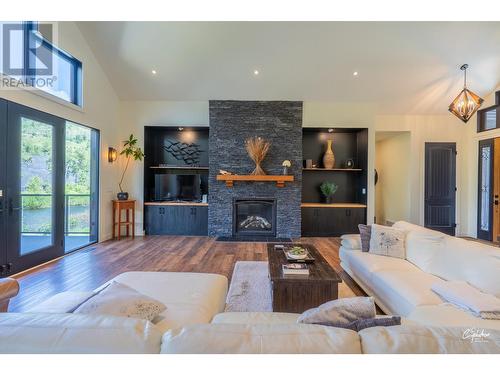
(120, 300)
(387, 241)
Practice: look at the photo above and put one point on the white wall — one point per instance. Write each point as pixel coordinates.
(100, 111)
(392, 192)
(437, 128)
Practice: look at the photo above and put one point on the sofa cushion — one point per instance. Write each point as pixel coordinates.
(446, 314)
(255, 318)
(422, 247)
(190, 297)
(365, 264)
(76, 333)
(471, 261)
(260, 339)
(416, 339)
(404, 289)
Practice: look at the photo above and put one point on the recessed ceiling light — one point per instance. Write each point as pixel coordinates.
(153, 72)
(355, 74)
(256, 72)
(330, 130)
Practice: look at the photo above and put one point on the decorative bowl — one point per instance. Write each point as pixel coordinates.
(297, 252)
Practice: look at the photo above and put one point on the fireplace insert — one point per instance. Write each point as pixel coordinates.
(254, 217)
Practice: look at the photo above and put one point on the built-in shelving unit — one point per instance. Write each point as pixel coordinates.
(333, 169)
(333, 205)
(349, 207)
(174, 150)
(178, 167)
(200, 204)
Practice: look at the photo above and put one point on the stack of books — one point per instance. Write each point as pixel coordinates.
(295, 269)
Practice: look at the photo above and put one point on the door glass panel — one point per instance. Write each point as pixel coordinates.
(79, 203)
(36, 186)
(485, 188)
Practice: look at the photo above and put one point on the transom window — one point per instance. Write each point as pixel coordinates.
(489, 118)
(30, 59)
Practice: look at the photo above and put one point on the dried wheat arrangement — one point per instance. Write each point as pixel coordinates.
(257, 149)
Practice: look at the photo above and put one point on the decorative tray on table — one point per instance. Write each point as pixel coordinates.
(297, 254)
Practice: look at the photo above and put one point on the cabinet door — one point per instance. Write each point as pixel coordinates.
(309, 221)
(199, 221)
(355, 216)
(156, 220)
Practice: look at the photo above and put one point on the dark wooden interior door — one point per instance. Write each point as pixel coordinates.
(440, 187)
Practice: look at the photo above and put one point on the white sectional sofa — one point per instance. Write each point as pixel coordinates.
(403, 286)
(194, 322)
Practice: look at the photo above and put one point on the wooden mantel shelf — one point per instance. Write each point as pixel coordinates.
(230, 178)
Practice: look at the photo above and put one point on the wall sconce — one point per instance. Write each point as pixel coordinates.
(112, 154)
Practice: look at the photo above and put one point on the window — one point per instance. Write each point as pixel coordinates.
(489, 118)
(32, 59)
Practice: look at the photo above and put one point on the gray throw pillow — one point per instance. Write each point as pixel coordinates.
(340, 311)
(360, 324)
(365, 232)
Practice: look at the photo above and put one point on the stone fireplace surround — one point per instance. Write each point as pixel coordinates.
(231, 123)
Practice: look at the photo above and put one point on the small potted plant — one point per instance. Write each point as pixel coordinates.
(286, 164)
(328, 189)
(130, 150)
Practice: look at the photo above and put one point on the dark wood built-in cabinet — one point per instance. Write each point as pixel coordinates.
(176, 219)
(175, 150)
(331, 221)
(349, 202)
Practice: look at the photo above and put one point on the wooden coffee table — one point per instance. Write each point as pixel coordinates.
(296, 294)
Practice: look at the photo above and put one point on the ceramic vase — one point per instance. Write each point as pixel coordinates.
(329, 157)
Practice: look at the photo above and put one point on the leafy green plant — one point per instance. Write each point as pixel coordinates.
(328, 188)
(130, 150)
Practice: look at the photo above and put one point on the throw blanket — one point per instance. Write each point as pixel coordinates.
(340, 311)
(466, 297)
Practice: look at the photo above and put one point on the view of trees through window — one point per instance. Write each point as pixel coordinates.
(37, 177)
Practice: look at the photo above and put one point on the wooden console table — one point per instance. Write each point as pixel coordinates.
(129, 207)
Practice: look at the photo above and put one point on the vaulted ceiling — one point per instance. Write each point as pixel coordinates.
(403, 67)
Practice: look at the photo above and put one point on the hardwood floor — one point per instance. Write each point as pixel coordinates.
(88, 268)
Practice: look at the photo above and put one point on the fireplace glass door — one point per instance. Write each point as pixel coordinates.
(254, 217)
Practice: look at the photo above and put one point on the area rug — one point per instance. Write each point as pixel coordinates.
(250, 289)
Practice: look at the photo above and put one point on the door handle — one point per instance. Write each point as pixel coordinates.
(12, 208)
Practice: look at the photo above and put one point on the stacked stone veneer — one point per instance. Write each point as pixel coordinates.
(231, 123)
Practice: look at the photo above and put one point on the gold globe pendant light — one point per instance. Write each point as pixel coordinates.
(466, 103)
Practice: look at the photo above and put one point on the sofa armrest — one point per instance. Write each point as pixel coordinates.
(8, 289)
(351, 241)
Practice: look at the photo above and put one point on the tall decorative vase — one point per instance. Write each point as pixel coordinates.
(329, 157)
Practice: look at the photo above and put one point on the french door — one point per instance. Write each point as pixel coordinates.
(35, 209)
(488, 218)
